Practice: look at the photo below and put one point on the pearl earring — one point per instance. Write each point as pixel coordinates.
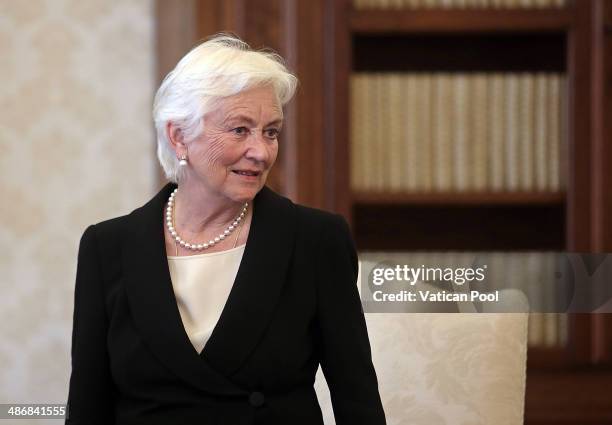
(183, 160)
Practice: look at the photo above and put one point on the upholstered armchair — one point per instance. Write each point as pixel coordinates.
(447, 368)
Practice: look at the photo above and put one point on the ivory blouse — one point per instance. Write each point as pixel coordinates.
(202, 284)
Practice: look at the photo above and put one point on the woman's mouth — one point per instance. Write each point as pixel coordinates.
(247, 174)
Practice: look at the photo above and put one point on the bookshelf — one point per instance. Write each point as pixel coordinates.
(459, 198)
(568, 40)
(453, 41)
(453, 21)
(544, 40)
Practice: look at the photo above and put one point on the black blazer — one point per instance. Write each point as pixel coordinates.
(294, 304)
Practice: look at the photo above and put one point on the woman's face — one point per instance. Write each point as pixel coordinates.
(239, 144)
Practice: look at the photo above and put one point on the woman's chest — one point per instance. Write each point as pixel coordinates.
(139, 339)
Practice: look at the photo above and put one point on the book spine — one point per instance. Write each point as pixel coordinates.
(563, 132)
(424, 124)
(541, 130)
(369, 132)
(442, 132)
(526, 124)
(554, 131)
(511, 141)
(385, 142)
(411, 108)
(496, 132)
(356, 102)
(562, 330)
(395, 142)
(459, 120)
(479, 123)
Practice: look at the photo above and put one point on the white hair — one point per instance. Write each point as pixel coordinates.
(222, 66)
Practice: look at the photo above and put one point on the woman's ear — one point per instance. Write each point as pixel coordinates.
(175, 137)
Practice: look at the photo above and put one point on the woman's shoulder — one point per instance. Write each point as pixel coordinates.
(317, 216)
(307, 217)
(110, 227)
(319, 224)
(327, 234)
(107, 236)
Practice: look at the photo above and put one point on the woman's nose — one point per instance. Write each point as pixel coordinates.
(257, 148)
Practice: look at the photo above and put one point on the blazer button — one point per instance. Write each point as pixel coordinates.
(256, 399)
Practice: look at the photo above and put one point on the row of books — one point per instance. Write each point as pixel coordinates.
(443, 132)
(457, 4)
(547, 330)
(532, 273)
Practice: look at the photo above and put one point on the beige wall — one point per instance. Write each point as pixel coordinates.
(76, 147)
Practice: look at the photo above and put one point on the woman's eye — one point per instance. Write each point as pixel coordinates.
(240, 131)
(272, 133)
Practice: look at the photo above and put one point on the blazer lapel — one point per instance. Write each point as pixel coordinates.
(258, 284)
(247, 311)
(152, 300)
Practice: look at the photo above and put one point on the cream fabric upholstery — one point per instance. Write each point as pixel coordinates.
(446, 368)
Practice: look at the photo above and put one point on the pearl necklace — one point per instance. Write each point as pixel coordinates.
(210, 243)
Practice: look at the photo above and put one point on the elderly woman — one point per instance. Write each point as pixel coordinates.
(216, 301)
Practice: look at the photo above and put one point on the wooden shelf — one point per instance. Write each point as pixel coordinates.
(572, 396)
(458, 198)
(548, 358)
(460, 21)
(460, 52)
(459, 227)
